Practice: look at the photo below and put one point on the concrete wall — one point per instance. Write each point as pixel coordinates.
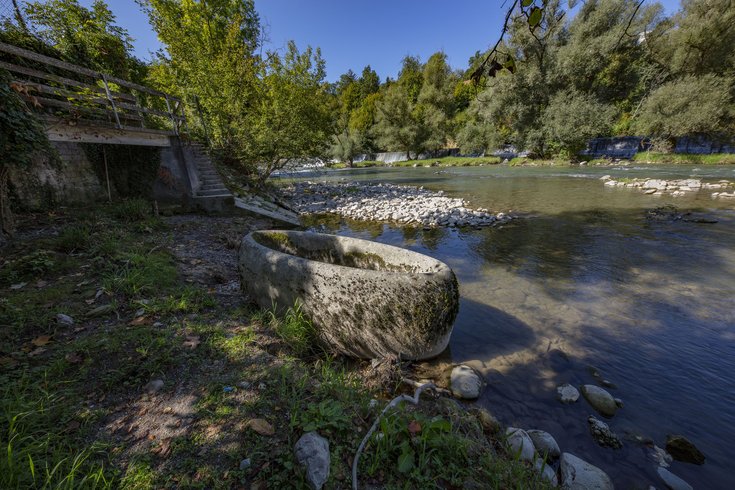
(69, 179)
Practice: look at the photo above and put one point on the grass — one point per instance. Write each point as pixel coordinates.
(431, 162)
(679, 158)
(65, 388)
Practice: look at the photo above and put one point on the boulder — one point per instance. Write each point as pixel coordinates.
(600, 399)
(672, 481)
(312, 452)
(546, 471)
(578, 474)
(567, 393)
(681, 449)
(545, 444)
(519, 443)
(602, 434)
(465, 382)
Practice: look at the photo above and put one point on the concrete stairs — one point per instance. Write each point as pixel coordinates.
(212, 193)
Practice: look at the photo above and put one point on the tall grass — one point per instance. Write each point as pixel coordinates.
(295, 329)
(37, 452)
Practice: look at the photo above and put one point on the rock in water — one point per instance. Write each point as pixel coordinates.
(567, 393)
(312, 452)
(465, 382)
(600, 399)
(545, 444)
(672, 481)
(682, 449)
(578, 474)
(602, 434)
(519, 443)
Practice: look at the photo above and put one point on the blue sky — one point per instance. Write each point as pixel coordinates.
(355, 33)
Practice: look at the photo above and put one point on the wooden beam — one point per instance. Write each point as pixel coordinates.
(111, 136)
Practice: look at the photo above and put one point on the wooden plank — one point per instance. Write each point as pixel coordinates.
(24, 53)
(62, 80)
(45, 101)
(112, 136)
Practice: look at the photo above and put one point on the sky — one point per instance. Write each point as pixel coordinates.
(355, 33)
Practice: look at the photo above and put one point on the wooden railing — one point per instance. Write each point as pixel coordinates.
(61, 90)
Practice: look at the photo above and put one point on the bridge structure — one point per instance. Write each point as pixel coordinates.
(79, 105)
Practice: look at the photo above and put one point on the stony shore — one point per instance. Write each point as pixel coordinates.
(406, 205)
(676, 188)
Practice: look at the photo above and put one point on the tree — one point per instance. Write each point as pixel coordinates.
(399, 121)
(436, 99)
(691, 105)
(88, 37)
(292, 119)
(368, 83)
(572, 118)
(210, 58)
(346, 145)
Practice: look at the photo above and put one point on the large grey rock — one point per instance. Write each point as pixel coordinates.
(578, 474)
(519, 443)
(547, 472)
(672, 481)
(312, 452)
(567, 393)
(602, 434)
(153, 387)
(365, 299)
(600, 399)
(465, 382)
(545, 444)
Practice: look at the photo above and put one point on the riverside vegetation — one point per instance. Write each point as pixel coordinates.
(131, 360)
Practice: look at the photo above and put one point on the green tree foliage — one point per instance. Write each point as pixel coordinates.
(690, 105)
(398, 121)
(436, 99)
(700, 38)
(87, 37)
(291, 119)
(572, 118)
(210, 62)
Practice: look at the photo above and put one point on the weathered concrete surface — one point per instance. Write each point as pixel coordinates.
(366, 299)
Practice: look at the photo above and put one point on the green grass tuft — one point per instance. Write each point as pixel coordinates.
(680, 158)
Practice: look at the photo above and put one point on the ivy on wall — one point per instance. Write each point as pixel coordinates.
(21, 135)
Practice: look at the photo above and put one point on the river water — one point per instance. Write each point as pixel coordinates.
(585, 281)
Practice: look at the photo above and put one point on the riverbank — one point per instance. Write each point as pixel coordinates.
(652, 158)
(130, 359)
(405, 205)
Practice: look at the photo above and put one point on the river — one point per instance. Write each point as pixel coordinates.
(585, 281)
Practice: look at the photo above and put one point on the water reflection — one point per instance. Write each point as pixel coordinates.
(585, 280)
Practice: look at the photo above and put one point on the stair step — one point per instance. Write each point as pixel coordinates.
(209, 187)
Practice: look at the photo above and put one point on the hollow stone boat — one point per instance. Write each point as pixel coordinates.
(364, 298)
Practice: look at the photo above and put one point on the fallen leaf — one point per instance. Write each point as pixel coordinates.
(414, 427)
(42, 340)
(261, 426)
(37, 352)
(141, 320)
(192, 341)
(73, 358)
(89, 301)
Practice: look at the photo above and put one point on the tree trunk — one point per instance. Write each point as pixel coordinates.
(7, 224)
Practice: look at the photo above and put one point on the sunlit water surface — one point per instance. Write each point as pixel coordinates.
(585, 279)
